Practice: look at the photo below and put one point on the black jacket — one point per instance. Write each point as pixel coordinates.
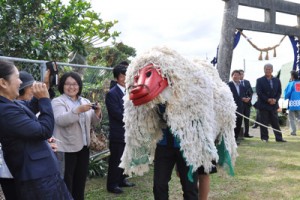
(115, 108)
(264, 92)
(24, 138)
(237, 97)
(248, 92)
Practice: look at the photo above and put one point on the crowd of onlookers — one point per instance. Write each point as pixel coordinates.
(268, 89)
(27, 126)
(45, 141)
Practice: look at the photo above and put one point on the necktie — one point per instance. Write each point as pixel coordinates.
(238, 88)
(271, 83)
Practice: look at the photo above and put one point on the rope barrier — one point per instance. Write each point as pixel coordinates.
(268, 127)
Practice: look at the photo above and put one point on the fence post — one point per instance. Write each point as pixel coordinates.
(43, 69)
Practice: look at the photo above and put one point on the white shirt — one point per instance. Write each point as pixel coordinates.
(122, 88)
(237, 86)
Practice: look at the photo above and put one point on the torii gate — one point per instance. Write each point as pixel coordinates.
(231, 23)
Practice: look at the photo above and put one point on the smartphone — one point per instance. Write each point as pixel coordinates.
(52, 66)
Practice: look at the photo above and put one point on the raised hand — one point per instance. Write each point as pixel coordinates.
(40, 90)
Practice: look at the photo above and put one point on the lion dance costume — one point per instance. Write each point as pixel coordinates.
(200, 111)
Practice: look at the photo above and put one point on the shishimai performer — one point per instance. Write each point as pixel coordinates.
(176, 112)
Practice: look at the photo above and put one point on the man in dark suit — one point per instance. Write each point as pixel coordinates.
(268, 90)
(238, 92)
(114, 104)
(246, 105)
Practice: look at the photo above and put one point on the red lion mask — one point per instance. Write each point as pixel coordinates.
(148, 84)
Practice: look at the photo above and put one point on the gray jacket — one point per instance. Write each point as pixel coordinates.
(67, 127)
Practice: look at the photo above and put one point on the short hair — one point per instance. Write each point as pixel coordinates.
(124, 63)
(63, 79)
(119, 69)
(241, 70)
(235, 71)
(294, 74)
(6, 69)
(268, 65)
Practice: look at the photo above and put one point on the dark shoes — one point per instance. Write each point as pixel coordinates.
(282, 140)
(254, 126)
(126, 184)
(248, 136)
(116, 190)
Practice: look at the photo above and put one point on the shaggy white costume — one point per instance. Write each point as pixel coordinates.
(200, 110)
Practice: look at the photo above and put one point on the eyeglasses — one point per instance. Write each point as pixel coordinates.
(75, 85)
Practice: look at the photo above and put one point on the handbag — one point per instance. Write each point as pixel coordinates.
(98, 141)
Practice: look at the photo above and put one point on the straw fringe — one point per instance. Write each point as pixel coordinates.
(200, 110)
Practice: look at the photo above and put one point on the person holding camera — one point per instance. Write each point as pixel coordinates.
(23, 137)
(246, 103)
(74, 116)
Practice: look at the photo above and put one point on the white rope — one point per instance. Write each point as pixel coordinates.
(268, 127)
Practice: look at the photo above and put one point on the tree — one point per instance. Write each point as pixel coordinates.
(111, 56)
(49, 30)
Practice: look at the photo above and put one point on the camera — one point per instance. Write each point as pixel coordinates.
(94, 106)
(52, 66)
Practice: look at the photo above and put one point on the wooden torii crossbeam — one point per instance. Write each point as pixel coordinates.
(231, 22)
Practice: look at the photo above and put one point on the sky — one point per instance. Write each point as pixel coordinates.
(193, 28)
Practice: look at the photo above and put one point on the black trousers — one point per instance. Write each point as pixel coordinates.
(9, 189)
(246, 112)
(115, 173)
(76, 171)
(269, 117)
(238, 125)
(164, 162)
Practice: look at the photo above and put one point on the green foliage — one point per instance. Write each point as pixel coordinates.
(18, 20)
(49, 30)
(97, 168)
(111, 56)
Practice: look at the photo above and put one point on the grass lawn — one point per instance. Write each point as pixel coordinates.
(267, 171)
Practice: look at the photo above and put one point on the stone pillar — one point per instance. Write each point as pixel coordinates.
(227, 39)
